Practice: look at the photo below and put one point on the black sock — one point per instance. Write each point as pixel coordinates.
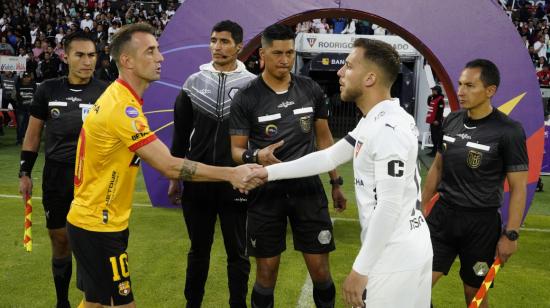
(324, 294)
(261, 297)
(62, 270)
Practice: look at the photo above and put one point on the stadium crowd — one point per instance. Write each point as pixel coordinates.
(35, 29)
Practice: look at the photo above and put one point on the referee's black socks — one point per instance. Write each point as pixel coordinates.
(62, 270)
(261, 297)
(324, 294)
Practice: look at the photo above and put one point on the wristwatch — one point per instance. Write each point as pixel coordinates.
(512, 235)
(337, 181)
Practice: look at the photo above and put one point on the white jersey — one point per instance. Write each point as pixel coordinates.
(394, 234)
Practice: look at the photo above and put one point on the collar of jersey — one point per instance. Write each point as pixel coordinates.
(270, 89)
(380, 106)
(129, 88)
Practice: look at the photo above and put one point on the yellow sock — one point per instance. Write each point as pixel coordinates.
(81, 305)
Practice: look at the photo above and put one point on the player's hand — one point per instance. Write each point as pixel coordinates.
(239, 176)
(436, 123)
(174, 192)
(25, 186)
(353, 289)
(340, 202)
(259, 174)
(266, 156)
(505, 248)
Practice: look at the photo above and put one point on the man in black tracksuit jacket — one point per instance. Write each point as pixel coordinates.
(201, 133)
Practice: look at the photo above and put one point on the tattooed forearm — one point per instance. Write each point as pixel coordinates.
(188, 170)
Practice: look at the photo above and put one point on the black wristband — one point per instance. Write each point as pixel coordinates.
(250, 157)
(337, 181)
(28, 158)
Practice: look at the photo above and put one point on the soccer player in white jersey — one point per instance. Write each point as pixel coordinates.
(393, 266)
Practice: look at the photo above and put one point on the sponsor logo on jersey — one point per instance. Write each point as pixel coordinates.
(253, 242)
(139, 126)
(358, 146)
(124, 288)
(359, 182)
(480, 269)
(204, 91)
(324, 237)
(55, 113)
(464, 136)
(285, 104)
(139, 136)
(305, 124)
(271, 130)
(131, 112)
(474, 159)
(74, 99)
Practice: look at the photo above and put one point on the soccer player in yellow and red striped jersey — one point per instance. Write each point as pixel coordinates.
(113, 140)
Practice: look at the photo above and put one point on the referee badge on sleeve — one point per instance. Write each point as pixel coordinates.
(474, 159)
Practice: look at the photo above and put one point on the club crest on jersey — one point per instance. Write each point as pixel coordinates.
(85, 111)
(55, 113)
(474, 159)
(305, 124)
(358, 146)
(271, 130)
(124, 288)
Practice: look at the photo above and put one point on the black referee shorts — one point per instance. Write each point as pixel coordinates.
(302, 202)
(472, 234)
(57, 192)
(102, 271)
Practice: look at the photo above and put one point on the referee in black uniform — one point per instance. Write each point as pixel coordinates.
(480, 148)
(62, 104)
(281, 117)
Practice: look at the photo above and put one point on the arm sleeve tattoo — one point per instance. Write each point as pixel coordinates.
(188, 170)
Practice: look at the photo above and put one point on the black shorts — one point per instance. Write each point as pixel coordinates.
(472, 234)
(102, 271)
(57, 192)
(304, 203)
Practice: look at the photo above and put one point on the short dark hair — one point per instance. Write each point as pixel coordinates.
(124, 35)
(490, 76)
(230, 26)
(276, 32)
(382, 55)
(75, 36)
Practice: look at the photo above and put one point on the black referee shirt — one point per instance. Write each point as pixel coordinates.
(267, 117)
(477, 154)
(63, 107)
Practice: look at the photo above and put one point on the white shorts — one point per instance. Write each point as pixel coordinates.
(401, 289)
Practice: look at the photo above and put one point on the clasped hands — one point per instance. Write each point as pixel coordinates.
(247, 177)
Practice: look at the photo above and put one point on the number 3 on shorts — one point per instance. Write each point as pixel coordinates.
(122, 263)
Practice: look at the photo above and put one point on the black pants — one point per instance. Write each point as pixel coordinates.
(435, 131)
(202, 203)
(22, 114)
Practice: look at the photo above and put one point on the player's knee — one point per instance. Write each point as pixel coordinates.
(60, 243)
(320, 274)
(266, 276)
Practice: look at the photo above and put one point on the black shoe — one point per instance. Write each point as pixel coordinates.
(63, 305)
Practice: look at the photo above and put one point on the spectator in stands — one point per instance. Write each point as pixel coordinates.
(87, 22)
(5, 48)
(540, 47)
(533, 55)
(544, 76)
(339, 25)
(350, 27)
(540, 64)
(59, 35)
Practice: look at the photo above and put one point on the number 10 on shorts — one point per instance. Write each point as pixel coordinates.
(120, 266)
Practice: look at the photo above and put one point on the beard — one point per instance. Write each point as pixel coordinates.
(350, 94)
